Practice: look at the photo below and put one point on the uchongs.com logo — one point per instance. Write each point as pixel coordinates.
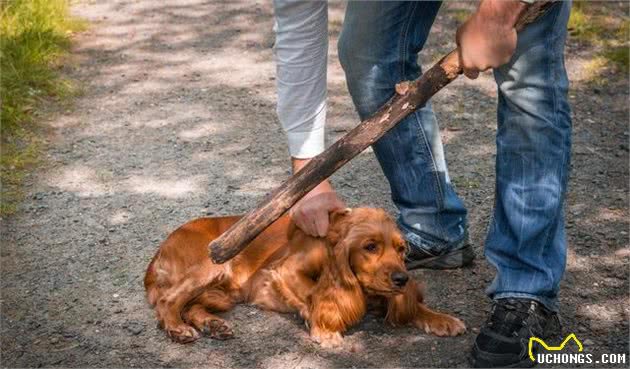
(562, 355)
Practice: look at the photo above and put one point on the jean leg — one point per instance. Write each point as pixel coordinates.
(526, 240)
(378, 48)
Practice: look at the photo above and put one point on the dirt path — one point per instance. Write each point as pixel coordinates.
(178, 121)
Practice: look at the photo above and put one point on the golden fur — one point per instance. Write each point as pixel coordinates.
(328, 281)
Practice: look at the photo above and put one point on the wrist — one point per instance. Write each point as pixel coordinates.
(503, 12)
(297, 164)
(323, 187)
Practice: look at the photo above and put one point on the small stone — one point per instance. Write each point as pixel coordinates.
(583, 294)
(134, 328)
(588, 342)
(39, 196)
(54, 340)
(115, 295)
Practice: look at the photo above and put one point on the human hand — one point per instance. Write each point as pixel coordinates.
(311, 214)
(488, 38)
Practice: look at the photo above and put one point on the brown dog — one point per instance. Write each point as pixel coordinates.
(328, 281)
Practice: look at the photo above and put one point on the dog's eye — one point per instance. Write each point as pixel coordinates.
(371, 247)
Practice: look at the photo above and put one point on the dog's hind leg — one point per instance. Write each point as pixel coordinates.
(170, 306)
(199, 314)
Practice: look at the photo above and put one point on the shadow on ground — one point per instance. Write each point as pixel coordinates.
(177, 121)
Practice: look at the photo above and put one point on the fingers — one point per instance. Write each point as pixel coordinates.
(467, 66)
(484, 43)
(468, 70)
(311, 214)
(321, 224)
(304, 221)
(315, 224)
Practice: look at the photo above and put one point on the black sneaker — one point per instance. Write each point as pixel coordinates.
(504, 338)
(451, 259)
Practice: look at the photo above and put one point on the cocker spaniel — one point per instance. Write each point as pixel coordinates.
(329, 281)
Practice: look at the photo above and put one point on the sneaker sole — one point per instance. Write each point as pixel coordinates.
(479, 360)
(455, 259)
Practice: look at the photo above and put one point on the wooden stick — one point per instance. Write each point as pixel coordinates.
(409, 97)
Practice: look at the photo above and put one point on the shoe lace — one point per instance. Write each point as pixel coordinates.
(509, 317)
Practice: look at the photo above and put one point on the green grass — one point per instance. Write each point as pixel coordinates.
(582, 24)
(34, 36)
(620, 57)
(463, 182)
(605, 27)
(461, 14)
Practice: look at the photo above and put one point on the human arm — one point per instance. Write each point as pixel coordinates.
(301, 53)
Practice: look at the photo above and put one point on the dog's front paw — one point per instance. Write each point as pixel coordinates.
(442, 325)
(325, 338)
(218, 329)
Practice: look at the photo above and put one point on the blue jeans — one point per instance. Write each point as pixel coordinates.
(526, 242)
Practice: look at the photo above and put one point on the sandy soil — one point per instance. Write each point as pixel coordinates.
(177, 122)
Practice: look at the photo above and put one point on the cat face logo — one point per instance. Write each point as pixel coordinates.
(552, 348)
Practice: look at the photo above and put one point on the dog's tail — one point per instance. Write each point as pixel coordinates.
(151, 282)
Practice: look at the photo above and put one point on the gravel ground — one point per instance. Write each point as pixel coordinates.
(177, 121)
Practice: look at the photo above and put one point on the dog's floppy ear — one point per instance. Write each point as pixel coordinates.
(339, 213)
(337, 225)
(340, 250)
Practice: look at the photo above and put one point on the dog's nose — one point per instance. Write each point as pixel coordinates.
(399, 278)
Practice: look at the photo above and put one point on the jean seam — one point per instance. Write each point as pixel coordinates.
(435, 177)
(552, 90)
(402, 44)
(556, 110)
(440, 191)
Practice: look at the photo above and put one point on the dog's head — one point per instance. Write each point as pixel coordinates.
(368, 248)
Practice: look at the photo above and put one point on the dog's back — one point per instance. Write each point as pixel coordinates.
(186, 249)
